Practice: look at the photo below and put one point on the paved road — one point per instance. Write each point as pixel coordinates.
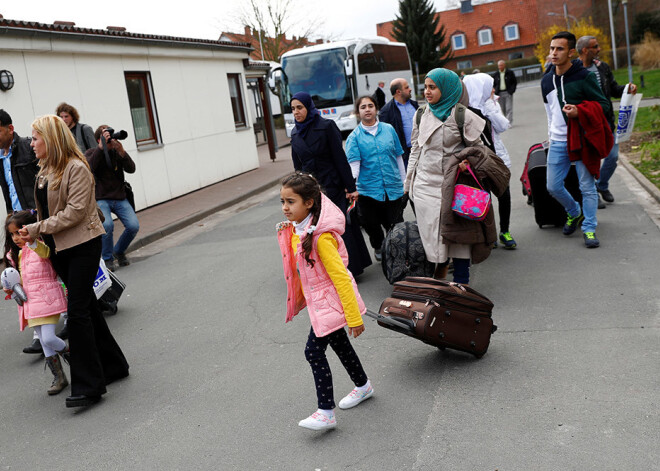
(218, 381)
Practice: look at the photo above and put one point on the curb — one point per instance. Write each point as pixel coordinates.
(147, 239)
(650, 188)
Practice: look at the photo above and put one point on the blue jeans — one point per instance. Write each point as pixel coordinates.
(128, 218)
(608, 167)
(558, 167)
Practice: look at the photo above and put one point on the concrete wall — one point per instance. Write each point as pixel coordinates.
(200, 143)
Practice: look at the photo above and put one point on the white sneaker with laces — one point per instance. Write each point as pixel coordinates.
(355, 397)
(319, 421)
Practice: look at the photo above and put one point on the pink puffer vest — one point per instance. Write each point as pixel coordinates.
(326, 312)
(44, 293)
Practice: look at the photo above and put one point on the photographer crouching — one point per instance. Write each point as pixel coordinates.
(108, 162)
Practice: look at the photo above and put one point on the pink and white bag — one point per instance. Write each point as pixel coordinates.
(470, 202)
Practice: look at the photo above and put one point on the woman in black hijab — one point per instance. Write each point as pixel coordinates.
(316, 148)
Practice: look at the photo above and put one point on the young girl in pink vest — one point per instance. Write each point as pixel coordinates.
(45, 296)
(315, 261)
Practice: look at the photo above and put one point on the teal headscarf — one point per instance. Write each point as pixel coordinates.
(451, 88)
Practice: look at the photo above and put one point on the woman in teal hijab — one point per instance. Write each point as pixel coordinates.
(449, 87)
(435, 138)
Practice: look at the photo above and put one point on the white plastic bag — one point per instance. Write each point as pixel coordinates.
(627, 115)
(102, 281)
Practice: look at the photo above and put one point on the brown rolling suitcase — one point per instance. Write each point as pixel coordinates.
(442, 314)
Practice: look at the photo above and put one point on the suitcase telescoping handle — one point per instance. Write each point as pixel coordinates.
(398, 324)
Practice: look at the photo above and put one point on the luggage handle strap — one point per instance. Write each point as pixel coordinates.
(473, 176)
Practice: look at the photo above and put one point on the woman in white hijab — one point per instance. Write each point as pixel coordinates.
(480, 91)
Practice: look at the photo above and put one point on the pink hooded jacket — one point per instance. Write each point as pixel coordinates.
(45, 296)
(325, 309)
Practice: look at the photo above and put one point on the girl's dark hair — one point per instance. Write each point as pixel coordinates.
(19, 219)
(306, 186)
(358, 102)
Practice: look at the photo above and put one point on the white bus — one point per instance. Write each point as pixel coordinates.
(336, 73)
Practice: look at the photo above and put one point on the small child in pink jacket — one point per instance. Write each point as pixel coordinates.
(315, 260)
(45, 296)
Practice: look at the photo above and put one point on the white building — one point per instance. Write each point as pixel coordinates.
(182, 101)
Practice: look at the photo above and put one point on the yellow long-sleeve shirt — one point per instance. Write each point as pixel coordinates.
(334, 265)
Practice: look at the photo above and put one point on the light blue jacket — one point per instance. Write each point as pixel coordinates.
(379, 172)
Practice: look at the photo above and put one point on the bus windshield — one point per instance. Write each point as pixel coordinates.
(321, 74)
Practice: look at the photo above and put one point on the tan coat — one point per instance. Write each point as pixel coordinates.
(433, 142)
(74, 218)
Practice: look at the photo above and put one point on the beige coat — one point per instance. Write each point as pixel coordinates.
(433, 142)
(74, 217)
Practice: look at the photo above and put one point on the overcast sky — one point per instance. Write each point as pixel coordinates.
(205, 19)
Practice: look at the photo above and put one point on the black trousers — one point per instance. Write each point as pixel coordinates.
(96, 359)
(376, 215)
(315, 354)
(504, 206)
(358, 253)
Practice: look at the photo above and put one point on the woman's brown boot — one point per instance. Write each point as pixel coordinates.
(59, 378)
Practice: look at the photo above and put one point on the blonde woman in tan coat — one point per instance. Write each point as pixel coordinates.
(69, 224)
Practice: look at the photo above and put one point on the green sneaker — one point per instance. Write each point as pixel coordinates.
(572, 223)
(507, 241)
(590, 240)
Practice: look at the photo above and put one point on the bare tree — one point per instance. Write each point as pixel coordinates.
(271, 20)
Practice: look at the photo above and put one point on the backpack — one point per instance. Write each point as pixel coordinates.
(403, 253)
(487, 133)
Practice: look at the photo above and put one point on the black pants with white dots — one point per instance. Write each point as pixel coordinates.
(315, 354)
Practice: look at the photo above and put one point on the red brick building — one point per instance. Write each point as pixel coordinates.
(483, 34)
(507, 29)
(252, 37)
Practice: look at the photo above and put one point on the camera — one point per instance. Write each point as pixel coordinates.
(119, 135)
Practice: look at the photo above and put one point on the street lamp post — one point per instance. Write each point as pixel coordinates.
(609, 6)
(566, 17)
(625, 18)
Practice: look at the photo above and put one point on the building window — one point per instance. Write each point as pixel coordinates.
(237, 100)
(515, 55)
(466, 6)
(464, 64)
(490, 63)
(458, 41)
(511, 32)
(485, 37)
(143, 108)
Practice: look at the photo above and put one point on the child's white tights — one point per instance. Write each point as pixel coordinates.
(50, 342)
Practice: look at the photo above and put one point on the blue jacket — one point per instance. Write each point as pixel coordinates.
(379, 170)
(390, 114)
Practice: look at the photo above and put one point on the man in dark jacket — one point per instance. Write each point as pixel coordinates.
(19, 172)
(588, 48)
(505, 86)
(565, 86)
(19, 167)
(111, 195)
(400, 112)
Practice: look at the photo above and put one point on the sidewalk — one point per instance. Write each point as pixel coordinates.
(163, 219)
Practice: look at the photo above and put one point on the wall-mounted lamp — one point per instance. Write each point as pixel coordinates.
(6, 80)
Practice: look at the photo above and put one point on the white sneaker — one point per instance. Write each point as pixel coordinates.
(355, 397)
(319, 421)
